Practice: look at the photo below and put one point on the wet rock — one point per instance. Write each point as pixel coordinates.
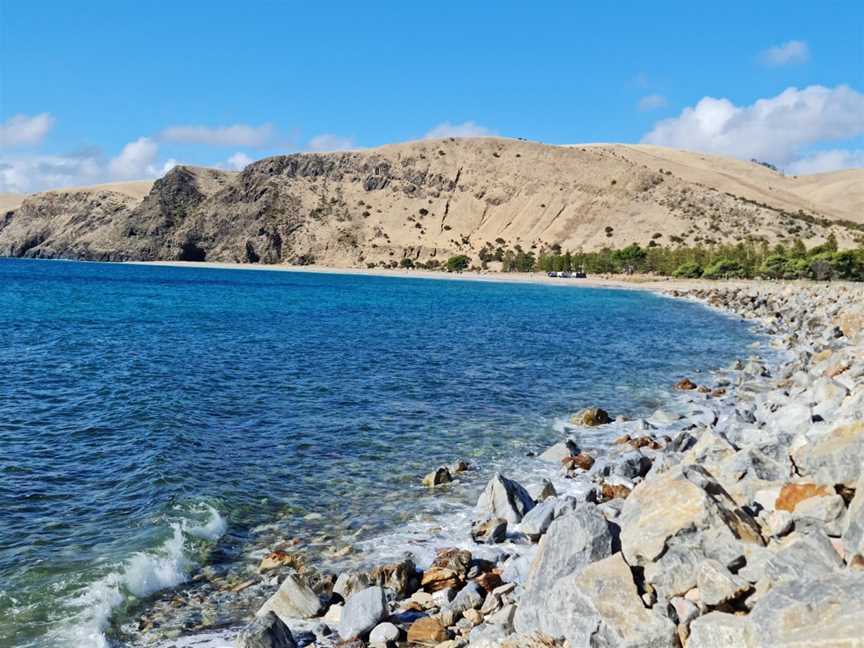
(491, 531)
(591, 417)
(685, 385)
(266, 631)
(279, 558)
(503, 498)
(581, 461)
(293, 600)
(440, 475)
(599, 605)
(559, 451)
(363, 611)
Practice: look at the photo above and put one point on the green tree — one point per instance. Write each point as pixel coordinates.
(457, 263)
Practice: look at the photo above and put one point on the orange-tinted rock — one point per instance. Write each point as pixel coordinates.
(622, 440)
(685, 385)
(645, 442)
(791, 494)
(427, 630)
(582, 460)
(281, 559)
(438, 578)
(614, 491)
(489, 581)
(716, 393)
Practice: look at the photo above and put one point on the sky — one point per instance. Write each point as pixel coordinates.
(106, 91)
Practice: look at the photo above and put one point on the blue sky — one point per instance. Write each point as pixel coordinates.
(93, 91)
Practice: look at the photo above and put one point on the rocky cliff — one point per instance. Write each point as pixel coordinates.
(434, 198)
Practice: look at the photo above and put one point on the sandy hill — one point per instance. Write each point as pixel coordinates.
(434, 198)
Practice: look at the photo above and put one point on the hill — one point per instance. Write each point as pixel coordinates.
(434, 198)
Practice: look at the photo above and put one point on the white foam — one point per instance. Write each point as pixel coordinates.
(141, 575)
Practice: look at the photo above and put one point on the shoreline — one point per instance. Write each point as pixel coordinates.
(752, 300)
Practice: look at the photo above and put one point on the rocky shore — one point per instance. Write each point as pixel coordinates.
(738, 522)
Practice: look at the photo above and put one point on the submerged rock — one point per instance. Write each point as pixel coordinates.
(591, 417)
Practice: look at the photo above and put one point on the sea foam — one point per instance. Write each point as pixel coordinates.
(144, 573)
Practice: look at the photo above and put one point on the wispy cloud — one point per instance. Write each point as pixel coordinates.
(235, 135)
(465, 129)
(25, 130)
(777, 129)
(789, 53)
(329, 142)
(652, 102)
(824, 161)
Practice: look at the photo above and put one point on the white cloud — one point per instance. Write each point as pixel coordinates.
(824, 161)
(238, 161)
(135, 160)
(652, 102)
(26, 173)
(465, 129)
(789, 53)
(23, 130)
(236, 135)
(329, 142)
(777, 129)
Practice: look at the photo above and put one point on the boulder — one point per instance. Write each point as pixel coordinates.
(685, 385)
(717, 585)
(591, 417)
(363, 611)
(792, 494)
(685, 500)
(835, 457)
(293, 600)
(581, 461)
(469, 597)
(490, 531)
(400, 577)
(829, 510)
(265, 631)
(598, 606)
(820, 612)
(349, 582)
(503, 498)
(538, 519)
(721, 630)
(572, 541)
(545, 491)
(559, 451)
(802, 556)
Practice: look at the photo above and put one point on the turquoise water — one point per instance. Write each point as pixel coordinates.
(153, 418)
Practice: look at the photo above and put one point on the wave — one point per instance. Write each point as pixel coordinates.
(142, 574)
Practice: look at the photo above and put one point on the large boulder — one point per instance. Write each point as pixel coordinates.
(684, 501)
(265, 631)
(823, 612)
(363, 611)
(503, 498)
(293, 600)
(538, 519)
(835, 457)
(572, 541)
(599, 606)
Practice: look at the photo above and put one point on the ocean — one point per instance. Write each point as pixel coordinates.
(158, 420)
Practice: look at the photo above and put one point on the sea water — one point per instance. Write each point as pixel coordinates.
(154, 420)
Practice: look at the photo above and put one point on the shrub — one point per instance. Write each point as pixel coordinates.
(724, 268)
(774, 266)
(688, 270)
(457, 263)
(406, 263)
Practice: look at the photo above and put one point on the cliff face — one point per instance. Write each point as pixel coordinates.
(431, 199)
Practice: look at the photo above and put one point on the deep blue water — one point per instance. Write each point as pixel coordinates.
(146, 412)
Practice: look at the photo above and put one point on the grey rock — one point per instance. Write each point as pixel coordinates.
(721, 630)
(803, 556)
(545, 491)
(631, 465)
(834, 457)
(293, 600)
(828, 510)
(571, 542)
(538, 519)
(598, 606)
(265, 631)
(489, 531)
(717, 585)
(559, 451)
(384, 633)
(503, 498)
(363, 611)
(469, 597)
(853, 533)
